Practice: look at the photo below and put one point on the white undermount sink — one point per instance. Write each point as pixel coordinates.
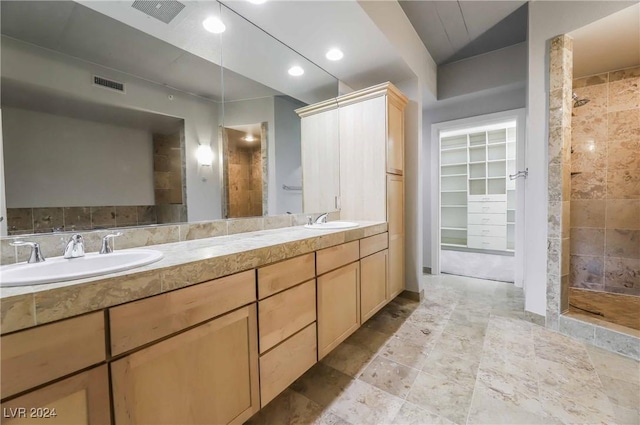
(332, 225)
(60, 269)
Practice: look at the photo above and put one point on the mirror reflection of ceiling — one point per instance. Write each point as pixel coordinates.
(248, 135)
(608, 44)
(180, 54)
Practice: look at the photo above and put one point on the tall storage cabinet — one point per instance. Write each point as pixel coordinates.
(372, 166)
(370, 125)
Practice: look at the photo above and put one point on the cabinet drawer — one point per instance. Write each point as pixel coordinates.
(487, 219)
(487, 207)
(337, 256)
(285, 274)
(80, 399)
(487, 198)
(493, 231)
(284, 314)
(286, 363)
(35, 356)
(137, 323)
(374, 244)
(482, 242)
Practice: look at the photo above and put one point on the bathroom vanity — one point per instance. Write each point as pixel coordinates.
(209, 334)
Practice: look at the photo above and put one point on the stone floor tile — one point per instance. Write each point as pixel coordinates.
(442, 396)
(362, 403)
(621, 393)
(503, 405)
(410, 414)
(349, 359)
(389, 376)
(406, 352)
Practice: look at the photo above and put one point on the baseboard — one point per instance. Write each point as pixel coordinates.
(411, 295)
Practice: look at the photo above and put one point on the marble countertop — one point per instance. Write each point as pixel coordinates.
(184, 263)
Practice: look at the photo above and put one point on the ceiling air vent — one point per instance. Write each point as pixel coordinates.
(110, 84)
(164, 10)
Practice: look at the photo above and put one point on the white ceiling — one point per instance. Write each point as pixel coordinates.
(608, 44)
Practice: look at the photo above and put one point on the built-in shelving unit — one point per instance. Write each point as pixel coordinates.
(477, 198)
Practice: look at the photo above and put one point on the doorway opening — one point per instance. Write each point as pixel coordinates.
(244, 173)
(478, 202)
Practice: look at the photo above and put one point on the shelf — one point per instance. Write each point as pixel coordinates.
(453, 191)
(454, 244)
(454, 149)
(497, 177)
(477, 147)
(454, 228)
(496, 160)
(453, 206)
(453, 165)
(453, 175)
(477, 178)
(477, 162)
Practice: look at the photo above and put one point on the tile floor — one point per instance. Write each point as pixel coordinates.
(465, 355)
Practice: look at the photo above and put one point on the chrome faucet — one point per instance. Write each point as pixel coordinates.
(75, 247)
(106, 247)
(36, 255)
(322, 218)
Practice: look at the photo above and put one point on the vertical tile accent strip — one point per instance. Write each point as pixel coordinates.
(560, 108)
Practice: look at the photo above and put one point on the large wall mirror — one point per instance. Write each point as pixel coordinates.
(124, 113)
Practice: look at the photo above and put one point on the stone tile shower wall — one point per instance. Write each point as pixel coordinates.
(169, 179)
(605, 184)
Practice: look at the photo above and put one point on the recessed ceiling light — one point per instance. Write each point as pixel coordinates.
(249, 138)
(214, 24)
(334, 55)
(257, 1)
(296, 71)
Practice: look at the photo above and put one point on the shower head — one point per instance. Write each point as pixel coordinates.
(577, 102)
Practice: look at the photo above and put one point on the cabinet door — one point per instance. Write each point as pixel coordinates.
(320, 162)
(207, 375)
(338, 306)
(373, 284)
(395, 205)
(363, 138)
(82, 399)
(395, 137)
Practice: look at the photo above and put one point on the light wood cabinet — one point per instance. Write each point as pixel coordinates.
(373, 284)
(36, 356)
(206, 375)
(287, 362)
(338, 306)
(284, 314)
(285, 274)
(395, 211)
(336, 256)
(320, 157)
(82, 399)
(140, 322)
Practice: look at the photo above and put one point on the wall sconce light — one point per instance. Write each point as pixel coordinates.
(204, 154)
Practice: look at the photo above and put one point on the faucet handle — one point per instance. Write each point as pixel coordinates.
(36, 255)
(106, 247)
(75, 247)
